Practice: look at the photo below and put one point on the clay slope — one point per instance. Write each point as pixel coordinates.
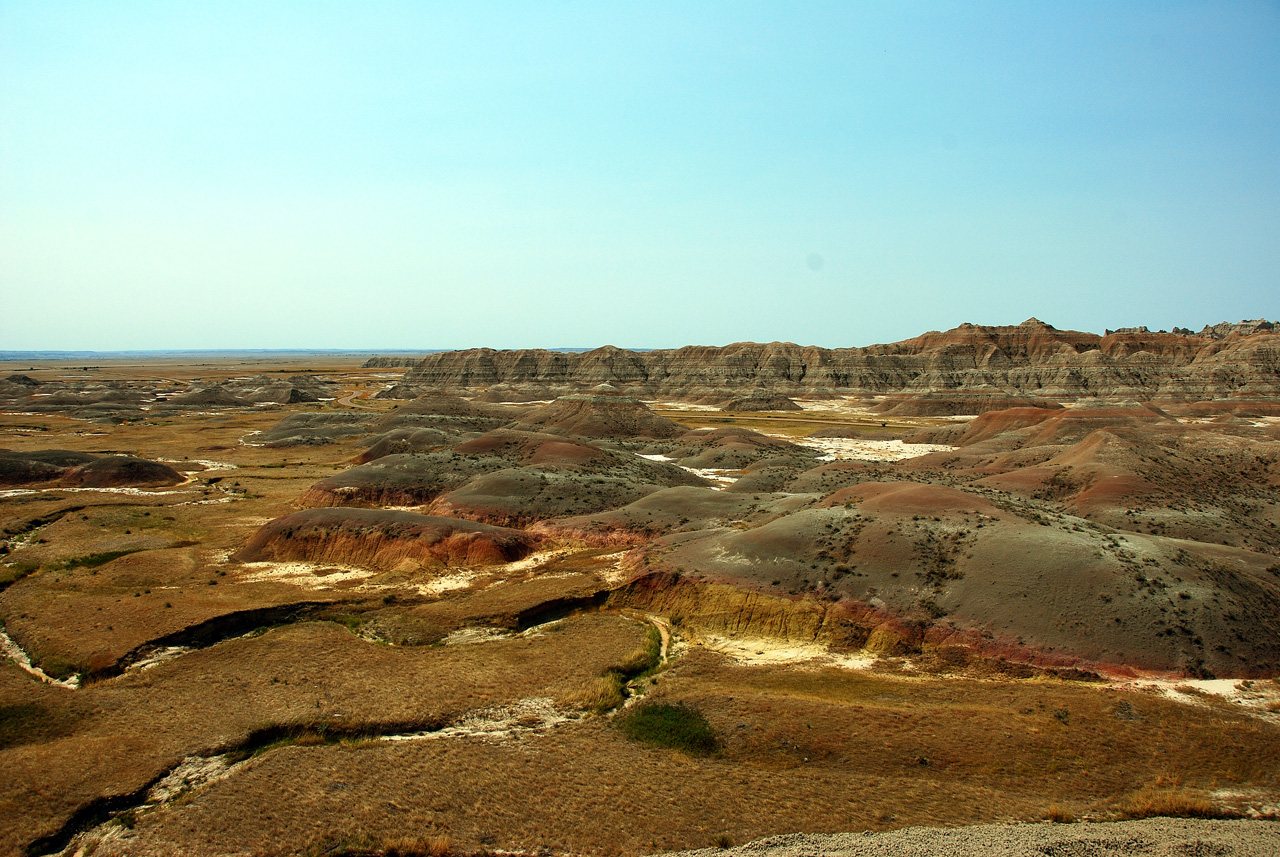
(1131, 468)
(599, 417)
(506, 476)
(55, 467)
(381, 539)
(1030, 359)
(1051, 589)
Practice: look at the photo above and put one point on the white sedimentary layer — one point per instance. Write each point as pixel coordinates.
(857, 449)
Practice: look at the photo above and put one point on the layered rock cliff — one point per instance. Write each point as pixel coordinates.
(1032, 358)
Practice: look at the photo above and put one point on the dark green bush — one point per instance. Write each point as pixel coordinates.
(94, 560)
(679, 727)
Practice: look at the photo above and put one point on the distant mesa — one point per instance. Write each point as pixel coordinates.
(114, 401)
(258, 390)
(974, 368)
(1221, 330)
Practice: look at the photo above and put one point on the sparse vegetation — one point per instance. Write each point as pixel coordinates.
(1172, 801)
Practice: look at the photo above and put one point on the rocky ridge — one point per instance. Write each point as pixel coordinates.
(1029, 359)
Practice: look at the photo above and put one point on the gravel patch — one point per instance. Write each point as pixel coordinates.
(1158, 837)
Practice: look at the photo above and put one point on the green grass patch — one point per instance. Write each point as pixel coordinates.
(678, 727)
(348, 621)
(14, 572)
(93, 560)
(59, 667)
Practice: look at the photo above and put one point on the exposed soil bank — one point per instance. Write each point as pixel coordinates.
(722, 610)
(383, 539)
(213, 631)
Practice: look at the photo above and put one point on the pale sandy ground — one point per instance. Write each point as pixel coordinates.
(722, 478)
(680, 406)
(753, 651)
(855, 407)
(1258, 698)
(318, 576)
(849, 448)
(1156, 837)
(135, 492)
(305, 575)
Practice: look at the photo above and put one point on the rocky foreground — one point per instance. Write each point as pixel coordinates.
(1160, 837)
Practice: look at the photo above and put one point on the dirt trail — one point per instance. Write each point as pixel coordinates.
(350, 401)
(659, 622)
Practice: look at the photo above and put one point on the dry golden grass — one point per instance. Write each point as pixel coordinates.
(417, 846)
(600, 695)
(1173, 802)
(607, 692)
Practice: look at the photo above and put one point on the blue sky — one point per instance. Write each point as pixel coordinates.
(415, 175)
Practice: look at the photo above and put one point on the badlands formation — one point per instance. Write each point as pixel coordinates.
(623, 602)
(975, 368)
